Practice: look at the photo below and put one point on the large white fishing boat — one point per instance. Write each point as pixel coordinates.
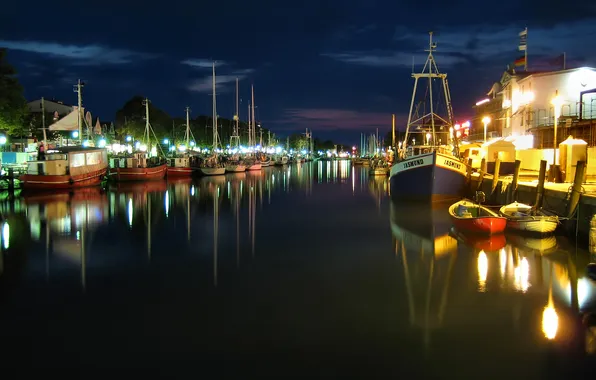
(428, 166)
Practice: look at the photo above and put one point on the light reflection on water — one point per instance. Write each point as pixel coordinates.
(312, 259)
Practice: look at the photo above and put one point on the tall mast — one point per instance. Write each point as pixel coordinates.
(147, 133)
(430, 85)
(393, 131)
(187, 127)
(237, 118)
(249, 129)
(43, 120)
(214, 112)
(252, 95)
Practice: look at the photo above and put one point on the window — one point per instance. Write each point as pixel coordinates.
(77, 160)
(93, 158)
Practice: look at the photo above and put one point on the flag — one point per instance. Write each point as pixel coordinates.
(523, 40)
(521, 61)
(558, 61)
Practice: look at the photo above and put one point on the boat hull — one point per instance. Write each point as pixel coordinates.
(254, 167)
(179, 172)
(51, 182)
(483, 222)
(235, 168)
(541, 225)
(138, 174)
(213, 171)
(432, 176)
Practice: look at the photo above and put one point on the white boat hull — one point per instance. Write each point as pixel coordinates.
(543, 225)
(235, 168)
(213, 171)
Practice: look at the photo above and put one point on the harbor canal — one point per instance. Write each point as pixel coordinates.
(301, 270)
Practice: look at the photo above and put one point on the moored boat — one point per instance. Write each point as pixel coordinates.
(254, 166)
(428, 166)
(523, 217)
(179, 167)
(213, 171)
(234, 167)
(471, 217)
(137, 168)
(66, 168)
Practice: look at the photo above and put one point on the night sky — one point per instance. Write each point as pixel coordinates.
(337, 67)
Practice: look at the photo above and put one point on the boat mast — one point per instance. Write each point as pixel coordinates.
(215, 142)
(146, 135)
(187, 127)
(43, 121)
(252, 95)
(430, 84)
(249, 129)
(236, 138)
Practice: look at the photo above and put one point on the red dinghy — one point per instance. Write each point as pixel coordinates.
(471, 217)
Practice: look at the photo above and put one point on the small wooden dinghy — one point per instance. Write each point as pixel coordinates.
(522, 217)
(471, 217)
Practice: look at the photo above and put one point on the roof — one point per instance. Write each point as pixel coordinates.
(556, 72)
(73, 148)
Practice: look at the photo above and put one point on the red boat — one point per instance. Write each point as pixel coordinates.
(138, 174)
(136, 168)
(66, 168)
(471, 217)
(179, 167)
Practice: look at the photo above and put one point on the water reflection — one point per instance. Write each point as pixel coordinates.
(284, 260)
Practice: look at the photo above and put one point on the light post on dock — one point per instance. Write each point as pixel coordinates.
(556, 102)
(485, 121)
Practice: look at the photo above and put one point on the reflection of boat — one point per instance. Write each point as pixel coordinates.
(66, 168)
(87, 193)
(422, 227)
(523, 217)
(542, 246)
(485, 243)
(469, 216)
(141, 187)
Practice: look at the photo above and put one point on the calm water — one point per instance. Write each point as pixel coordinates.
(309, 270)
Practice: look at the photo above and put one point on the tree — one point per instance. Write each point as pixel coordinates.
(13, 107)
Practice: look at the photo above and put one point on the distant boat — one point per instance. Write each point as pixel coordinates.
(428, 167)
(180, 166)
(522, 217)
(468, 216)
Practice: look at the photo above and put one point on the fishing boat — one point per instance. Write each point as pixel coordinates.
(281, 160)
(140, 166)
(522, 217)
(428, 167)
(234, 166)
(212, 165)
(468, 216)
(181, 165)
(66, 168)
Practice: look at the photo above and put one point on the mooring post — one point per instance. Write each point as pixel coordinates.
(512, 194)
(540, 187)
(576, 189)
(10, 180)
(482, 174)
(495, 180)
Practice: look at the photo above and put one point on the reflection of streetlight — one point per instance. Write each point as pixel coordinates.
(482, 271)
(485, 121)
(557, 105)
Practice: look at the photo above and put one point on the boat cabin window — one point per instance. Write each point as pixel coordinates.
(55, 156)
(77, 159)
(93, 158)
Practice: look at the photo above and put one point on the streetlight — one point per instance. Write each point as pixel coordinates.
(75, 134)
(128, 138)
(557, 105)
(428, 139)
(485, 121)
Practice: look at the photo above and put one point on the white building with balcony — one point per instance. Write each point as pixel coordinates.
(527, 99)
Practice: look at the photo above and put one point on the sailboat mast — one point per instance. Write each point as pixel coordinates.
(187, 127)
(214, 118)
(249, 129)
(252, 95)
(146, 134)
(237, 131)
(80, 116)
(43, 121)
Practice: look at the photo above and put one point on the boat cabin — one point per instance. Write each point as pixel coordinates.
(71, 160)
(179, 162)
(136, 160)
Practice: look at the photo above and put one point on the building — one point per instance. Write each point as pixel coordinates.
(526, 106)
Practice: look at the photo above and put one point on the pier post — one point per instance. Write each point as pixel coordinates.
(495, 181)
(512, 194)
(576, 188)
(11, 180)
(540, 187)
